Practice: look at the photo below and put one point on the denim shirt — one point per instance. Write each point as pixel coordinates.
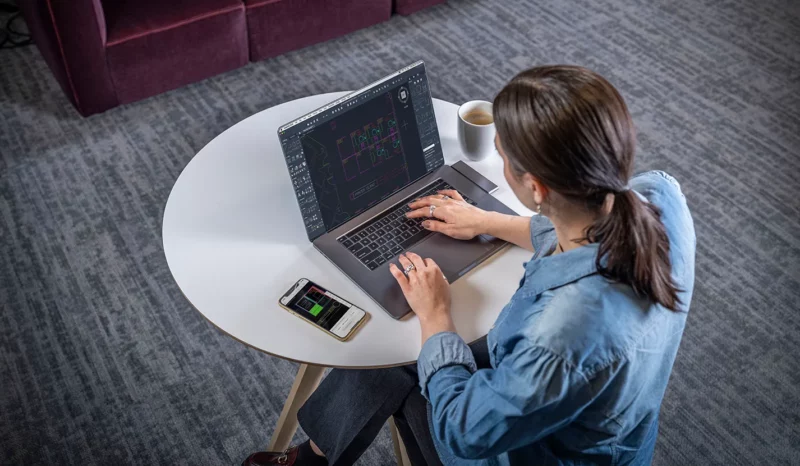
(579, 364)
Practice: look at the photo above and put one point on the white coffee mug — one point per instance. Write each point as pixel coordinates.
(477, 141)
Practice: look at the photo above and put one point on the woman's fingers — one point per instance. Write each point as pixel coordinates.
(427, 201)
(437, 226)
(419, 203)
(419, 213)
(452, 194)
(404, 262)
(430, 263)
(416, 260)
(425, 212)
(401, 278)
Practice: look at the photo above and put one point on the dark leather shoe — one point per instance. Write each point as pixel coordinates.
(265, 458)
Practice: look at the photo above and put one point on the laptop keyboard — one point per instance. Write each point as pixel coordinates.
(387, 235)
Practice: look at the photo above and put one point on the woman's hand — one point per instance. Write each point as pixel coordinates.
(427, 292)
(452, 215)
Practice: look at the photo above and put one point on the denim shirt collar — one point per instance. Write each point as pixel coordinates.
(553, 271)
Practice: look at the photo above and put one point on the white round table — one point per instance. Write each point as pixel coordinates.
(234, 241)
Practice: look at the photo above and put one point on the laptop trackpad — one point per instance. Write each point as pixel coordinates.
(454, 256)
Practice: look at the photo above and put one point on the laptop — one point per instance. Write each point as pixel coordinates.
(357, 162)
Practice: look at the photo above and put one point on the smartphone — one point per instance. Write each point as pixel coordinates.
(482, 182)
(323, 309)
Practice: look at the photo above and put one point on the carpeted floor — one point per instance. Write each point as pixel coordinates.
(103, 361)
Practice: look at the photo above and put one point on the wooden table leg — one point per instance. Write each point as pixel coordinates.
(305, 382)
(399, 448)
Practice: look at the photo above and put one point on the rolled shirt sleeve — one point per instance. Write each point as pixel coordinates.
(445, 349)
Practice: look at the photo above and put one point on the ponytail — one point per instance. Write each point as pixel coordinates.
(634, 249)
(569, 128)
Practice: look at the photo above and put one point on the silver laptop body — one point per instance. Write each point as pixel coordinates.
(357, 162)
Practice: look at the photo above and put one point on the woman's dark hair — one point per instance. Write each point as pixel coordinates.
(570, 129)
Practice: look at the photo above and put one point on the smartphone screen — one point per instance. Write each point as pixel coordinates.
(324, 309)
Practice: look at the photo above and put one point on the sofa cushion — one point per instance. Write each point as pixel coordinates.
(157, 56)
(128, 19)
(278, 26)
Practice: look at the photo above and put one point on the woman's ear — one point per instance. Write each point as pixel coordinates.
(535, 187)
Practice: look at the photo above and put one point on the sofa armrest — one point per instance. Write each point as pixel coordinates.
(71, 36)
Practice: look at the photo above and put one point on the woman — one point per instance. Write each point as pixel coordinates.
(576, 365)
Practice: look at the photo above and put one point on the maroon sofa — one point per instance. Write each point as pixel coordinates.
(110, 52)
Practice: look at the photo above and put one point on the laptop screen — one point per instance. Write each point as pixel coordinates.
(357, 151)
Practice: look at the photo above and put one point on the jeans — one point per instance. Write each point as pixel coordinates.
(344, 415)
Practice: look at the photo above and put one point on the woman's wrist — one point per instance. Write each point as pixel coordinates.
(511, 228)
(436, 323)
(491, 224)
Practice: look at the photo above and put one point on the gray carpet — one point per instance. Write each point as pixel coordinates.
(103, 361)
